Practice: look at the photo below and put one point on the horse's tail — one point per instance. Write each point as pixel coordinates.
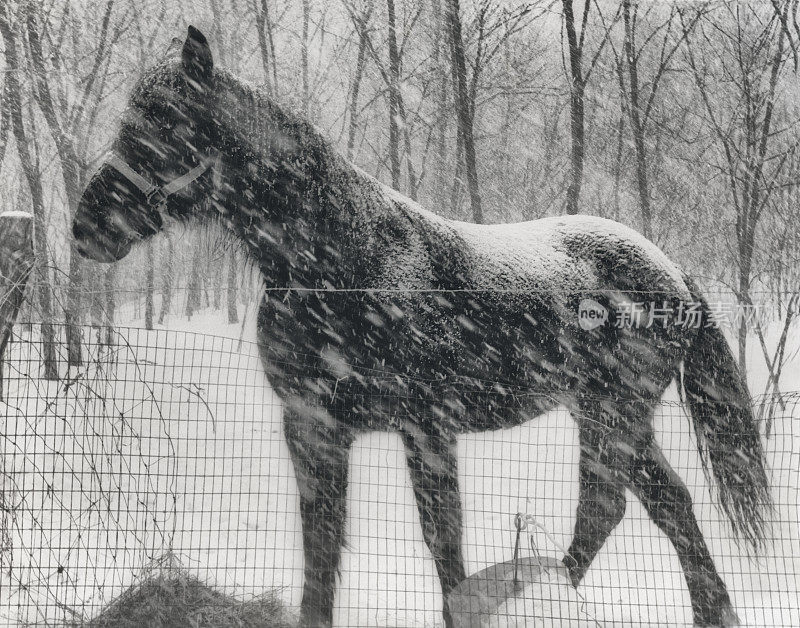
(727, 433)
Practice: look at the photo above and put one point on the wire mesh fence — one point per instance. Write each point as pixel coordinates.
(164, 454)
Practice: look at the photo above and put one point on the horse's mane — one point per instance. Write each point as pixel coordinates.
(259, 132)
(273, 132)
(285, 154)
(262, 123)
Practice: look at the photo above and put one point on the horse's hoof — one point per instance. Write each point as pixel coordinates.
(730, 618)
(727, 617)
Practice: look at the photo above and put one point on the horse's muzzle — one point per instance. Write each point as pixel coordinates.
(98, 244)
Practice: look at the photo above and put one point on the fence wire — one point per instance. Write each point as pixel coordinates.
(164, 456)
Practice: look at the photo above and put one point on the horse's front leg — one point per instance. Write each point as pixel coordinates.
(319, 448)
(433, 466)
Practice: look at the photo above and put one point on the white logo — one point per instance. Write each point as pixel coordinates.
(591, 314)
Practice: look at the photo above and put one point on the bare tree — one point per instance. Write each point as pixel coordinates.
(168, 277)
(638, 93)
(13, 106)
(150, 282)
(752, 51)
(787, 11)
(4, 126)
(266, 43)
(394, 96)
(579, 78)
(232, 289)
(461, 98)
(145, 46)
(16, 261)
(304, 57)
(63, 127)
(576, 100)
(439, 62)
(194, 297)
(361, 20)
(391, 78)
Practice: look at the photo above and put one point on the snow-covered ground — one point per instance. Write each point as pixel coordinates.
(170, 444)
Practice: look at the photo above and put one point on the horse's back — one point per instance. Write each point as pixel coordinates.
(563, 255)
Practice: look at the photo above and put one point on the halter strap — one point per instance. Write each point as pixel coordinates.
(184, 180)
(121, 166)
(157, 195)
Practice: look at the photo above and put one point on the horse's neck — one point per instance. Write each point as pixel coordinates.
(295, 184)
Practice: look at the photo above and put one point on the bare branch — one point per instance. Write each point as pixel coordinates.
(100, 54)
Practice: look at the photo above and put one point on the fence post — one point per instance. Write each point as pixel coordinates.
(16, 262)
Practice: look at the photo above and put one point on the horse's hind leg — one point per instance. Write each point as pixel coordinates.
(320, 456)
(601, 506)
(433, 467)
(669, 505)
(617, 446)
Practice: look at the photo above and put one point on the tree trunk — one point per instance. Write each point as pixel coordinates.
(359, 72)
(744, 297)
(194, 294)
(72, 310)
(397, 113)
(167, 275)
(618, 163)
(394, 97)
(111, 302)
(462, 106)
(150, 287)
(458, 175)
(637, 122)
(96, 305)
(13, 105)
(70, 169)
(439, 61)
(412, 176)
(4, 125)
(219, 276)
(233, 312)
(262, 15)
(16, 261)
(304, 55)
(274, 58)
(755, 196)
(576, 102)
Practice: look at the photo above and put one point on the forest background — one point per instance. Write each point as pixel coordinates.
(679, 119)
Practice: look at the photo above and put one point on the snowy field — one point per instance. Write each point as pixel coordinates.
(168, 448)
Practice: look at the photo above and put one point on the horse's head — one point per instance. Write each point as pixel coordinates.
(160, 161)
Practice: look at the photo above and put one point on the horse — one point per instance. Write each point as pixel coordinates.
(380, 315)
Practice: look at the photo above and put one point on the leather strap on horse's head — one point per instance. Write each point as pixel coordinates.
(156, 195)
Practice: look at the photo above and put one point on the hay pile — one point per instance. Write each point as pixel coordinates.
(177, 599)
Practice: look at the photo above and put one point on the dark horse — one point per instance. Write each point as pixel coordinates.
(379, 315)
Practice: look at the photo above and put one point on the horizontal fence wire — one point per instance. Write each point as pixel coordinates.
(163, 457)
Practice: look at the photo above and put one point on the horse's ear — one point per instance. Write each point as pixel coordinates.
(196, 56)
